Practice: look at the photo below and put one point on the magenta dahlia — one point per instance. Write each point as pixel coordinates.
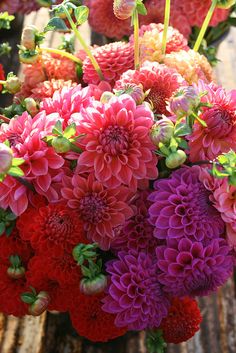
(113, 59)
(135, 294)
(26, 6)
(182, 207)
(116, 142)
(161, 80)
(189, 268)
(10, 6)
(220, 134)
(100, 209)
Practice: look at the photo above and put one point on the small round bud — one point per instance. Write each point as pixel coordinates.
(16, 273)
(27, 58)
(61, 144)
(6, 157)
(225, 4)
(31, 106)
(13, 84)
(123, 9)
(40, 304)
(184, 101)
(135, 91)
(176, 159)
(28, 37)
(162, 131)
(106, 96)
(93, 286)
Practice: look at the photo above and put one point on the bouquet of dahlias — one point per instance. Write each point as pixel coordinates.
(117, 180)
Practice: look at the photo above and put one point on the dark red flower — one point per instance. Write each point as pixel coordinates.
(14, 245)
(2, 75)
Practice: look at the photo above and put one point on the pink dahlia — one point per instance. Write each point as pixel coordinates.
(10, 6)
(220, 134)
(189, 268)
(116, 142)
(101, 209)
(113, 59)
(102, 19)
(158, 78)
(137, 232)
(231, 238)
(135, 294)
(182, 207)
(196, 12)
(46, 89)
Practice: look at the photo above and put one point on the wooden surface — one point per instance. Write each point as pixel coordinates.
(52, 333)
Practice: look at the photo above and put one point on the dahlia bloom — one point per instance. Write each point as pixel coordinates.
(134, 294)
(117, 146)
(182, 322)
(102, 19)
(191, 65)
(189, 268)
(225, 201)
(231, 238)
(113, 59)
(11, 6)
(182, 207)
(100, 209)
(161, 80)
(150, 40)
(46, 89)
(91, 321)
(220, 134)
(14, 245)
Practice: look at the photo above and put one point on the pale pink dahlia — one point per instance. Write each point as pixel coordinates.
(135, 295)
(158, 78)
(225, 202)
(220, 134)
(100, 209)
(10, 6)
(196, 11)
(102, 19)
(117, 146)
(113, 59)
(46, 89)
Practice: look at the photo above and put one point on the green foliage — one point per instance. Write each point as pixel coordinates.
(5, 49)
(7, 222)
(141, 8)
(5, 20)
(81, 14)
(155, 342)
(56, 23)
(225, 167)
(68, 44)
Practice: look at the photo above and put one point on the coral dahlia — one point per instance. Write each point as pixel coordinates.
(46, 89)
(113, 59)
(135, 294)
(161, 80)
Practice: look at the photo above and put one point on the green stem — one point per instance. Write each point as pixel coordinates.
(63, 53)
(84, 45)
(166, 25)
(136, 39)
(205, 25)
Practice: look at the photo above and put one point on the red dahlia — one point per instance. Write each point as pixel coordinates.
(2, 75)
(12, 245)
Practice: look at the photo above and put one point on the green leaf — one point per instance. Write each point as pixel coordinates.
(141, 8)
(57, 130)
(2, 228)
(70, 131)
(182, 143)
(5, 20)
(56, 23)
(81, 14)
(16, 172)
(182, 129)
(9, 229)
(28, 298)
(10, 217)
(17, 161)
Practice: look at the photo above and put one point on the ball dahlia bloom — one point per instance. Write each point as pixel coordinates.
(161, 80)
(220, 134)
(100, 209)
(135, 295)
(182, 207)
(116, 142)
(190, 268)
(191, 65)
(113, 59)
(103, 20)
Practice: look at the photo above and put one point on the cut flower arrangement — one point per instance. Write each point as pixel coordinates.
(117, 180)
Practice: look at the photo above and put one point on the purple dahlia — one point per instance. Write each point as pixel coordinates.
(189, 268)
(182, 207)
(134, 294)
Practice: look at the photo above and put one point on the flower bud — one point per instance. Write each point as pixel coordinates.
(6, 157)
(31, 106)
(184, 101)
(93, 286)
(135, 91)
(61, 144)
(13, 84)
(162, 131)
(28, 37)
(106, 96)
(176, 159)
(40, 304)
(16, 273)
(123, 9)
(225, 4)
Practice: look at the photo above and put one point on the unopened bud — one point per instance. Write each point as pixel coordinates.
(28, 58)
(162, 131)
(176, 159)
(135, 91)
(6, 157)
(13, 84)
(184, 101)
(31, 106)
(106, 96)
(123, 9)
(28, 37)
(61, 144)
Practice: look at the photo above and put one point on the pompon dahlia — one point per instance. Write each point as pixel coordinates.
(189, 268)
(100, 209)
(151, 42)
(191, 65)
(117, 145)
(135, 294)
(113, 59)
(51, 228)
(182, 207)
(11, 6)
(91, 321)
(220, 134)
(197, 12)
(137, 232)
(46, 89)
(161, 80)
(182, 322)
(102, 19)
